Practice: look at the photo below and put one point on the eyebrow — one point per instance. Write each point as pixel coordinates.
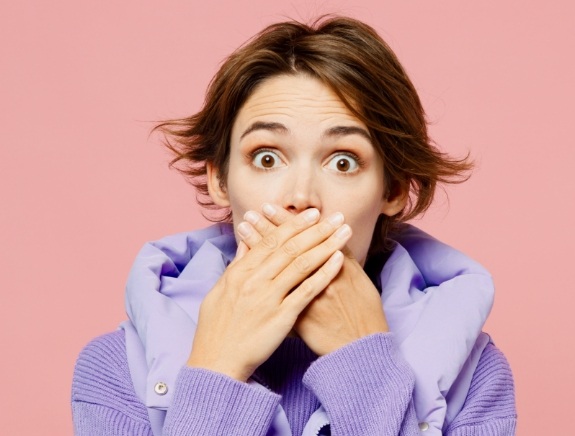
(337, 131)
(261, 125)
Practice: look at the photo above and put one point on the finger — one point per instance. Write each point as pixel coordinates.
(295, 247)
(271, 242)
(272, 217)
(276, 214)
(259, 222)
(262, 225)
(305, 265)
(248, 235)
(310, 288)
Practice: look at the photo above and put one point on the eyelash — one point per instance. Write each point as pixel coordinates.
(252, 155)
(360, 162)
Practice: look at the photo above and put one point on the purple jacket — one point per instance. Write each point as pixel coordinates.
(436, 301)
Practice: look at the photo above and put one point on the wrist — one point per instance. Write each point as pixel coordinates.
(235, 373)
(374, 327)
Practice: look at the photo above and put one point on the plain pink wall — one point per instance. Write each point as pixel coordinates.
(83, 187)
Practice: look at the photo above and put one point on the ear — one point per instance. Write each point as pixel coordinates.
(216, 187)
(396, 199)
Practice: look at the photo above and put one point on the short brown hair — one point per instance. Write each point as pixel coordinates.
(349, 57)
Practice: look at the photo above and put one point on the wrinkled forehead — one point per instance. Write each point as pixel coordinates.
(297, 100)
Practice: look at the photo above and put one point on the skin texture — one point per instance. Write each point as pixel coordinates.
(297, 150)
(306, 155)
(256, 302)
(349, 308)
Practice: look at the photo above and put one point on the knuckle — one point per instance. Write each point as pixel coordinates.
(299, 223)
(263, 227)
(291, 248)
(270, 242)
(306, 289)
(324, 228)
(301, 264)
(251, 240)
(332, 243)
(324, 274)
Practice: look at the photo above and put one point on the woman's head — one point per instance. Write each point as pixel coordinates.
(349, 59)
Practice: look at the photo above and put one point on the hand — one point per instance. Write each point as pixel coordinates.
(258, 299)
(348, 309)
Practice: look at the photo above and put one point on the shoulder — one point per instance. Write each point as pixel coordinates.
(491, 396)
(102, 377)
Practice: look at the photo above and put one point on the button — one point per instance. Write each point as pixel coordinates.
(423, 426)
(161, 388)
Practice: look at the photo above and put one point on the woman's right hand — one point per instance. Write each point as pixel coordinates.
(256, 302)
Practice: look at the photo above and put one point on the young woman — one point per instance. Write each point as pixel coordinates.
(311, 309)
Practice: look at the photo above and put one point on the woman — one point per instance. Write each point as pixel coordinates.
(315, 311)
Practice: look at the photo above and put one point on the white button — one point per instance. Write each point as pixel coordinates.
(423, 426)
(161, 388)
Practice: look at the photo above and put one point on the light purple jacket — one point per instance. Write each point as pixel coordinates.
(436, 301)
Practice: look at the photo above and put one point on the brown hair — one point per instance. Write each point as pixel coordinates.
(350, 58)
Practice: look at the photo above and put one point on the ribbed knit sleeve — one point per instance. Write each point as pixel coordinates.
(490, 405)
(366, 388)
(205, 403)
(103, 399)
(208, 403)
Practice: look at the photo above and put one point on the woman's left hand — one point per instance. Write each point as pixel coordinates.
(348, 309)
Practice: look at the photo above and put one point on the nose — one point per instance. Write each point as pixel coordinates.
(301, 192)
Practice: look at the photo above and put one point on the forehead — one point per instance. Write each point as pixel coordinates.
(295, 97)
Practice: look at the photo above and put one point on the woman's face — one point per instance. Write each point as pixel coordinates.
(295, 144)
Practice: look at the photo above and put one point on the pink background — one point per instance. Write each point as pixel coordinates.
(83, 187)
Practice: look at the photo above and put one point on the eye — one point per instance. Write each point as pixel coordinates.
(343, 163)
(266, 159)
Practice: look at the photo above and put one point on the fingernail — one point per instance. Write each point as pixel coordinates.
(244, 229)
(336, 257)
(311, 215)
(268, 209)
(343, 232)
(251, 217)
(336, 219)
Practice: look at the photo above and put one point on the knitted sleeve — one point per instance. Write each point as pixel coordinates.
(360, 396)
(208, 403)
(490, 405)
(366, 388)
(103, 399)
(205, 403)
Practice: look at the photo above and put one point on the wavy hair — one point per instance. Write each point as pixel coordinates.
(349, 57)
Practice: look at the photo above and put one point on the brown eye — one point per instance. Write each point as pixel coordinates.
(343, 163)
(266, 160)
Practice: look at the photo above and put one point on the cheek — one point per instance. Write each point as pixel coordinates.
(248, 193)
(362, 221)
(361, 240)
